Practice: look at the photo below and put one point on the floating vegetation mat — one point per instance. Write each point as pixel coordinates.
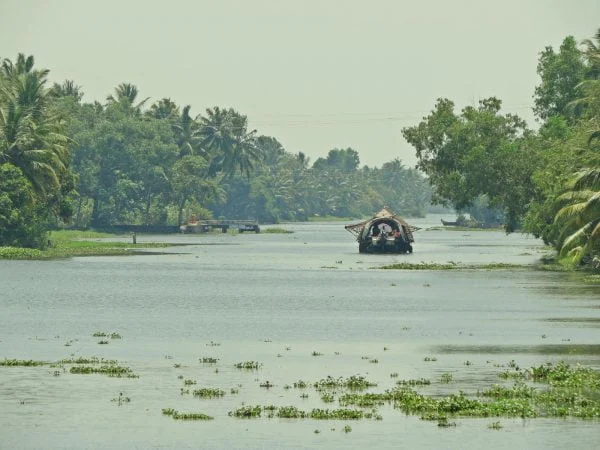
(556, 390)
(248, 365)
(112, 370)
(22, 363)
(185, 416)
(451, 266)
(544, 391)
(80, 365)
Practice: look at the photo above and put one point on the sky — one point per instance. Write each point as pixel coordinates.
(315, 74)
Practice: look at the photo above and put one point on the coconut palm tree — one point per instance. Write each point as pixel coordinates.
(164, 109)
(579, 220)
(226, 138)
(23, 65)
(29, 137)
(592, 54)
(67, 88)
(125, 97)
(188, 135)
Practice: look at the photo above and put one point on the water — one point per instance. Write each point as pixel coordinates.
(277, 298)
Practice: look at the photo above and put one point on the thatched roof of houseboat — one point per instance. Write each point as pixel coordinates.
(385, 213)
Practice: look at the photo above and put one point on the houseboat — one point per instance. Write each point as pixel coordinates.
(385, 232)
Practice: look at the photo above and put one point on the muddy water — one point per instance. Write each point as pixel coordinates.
(277, 298)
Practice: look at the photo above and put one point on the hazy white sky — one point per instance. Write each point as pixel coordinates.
(315, 74)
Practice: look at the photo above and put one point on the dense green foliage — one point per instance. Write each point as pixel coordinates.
(545, 181)
(63, 161)
(67, 162)
(34, 157)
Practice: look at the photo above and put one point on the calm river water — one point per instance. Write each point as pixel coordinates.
(276, 299)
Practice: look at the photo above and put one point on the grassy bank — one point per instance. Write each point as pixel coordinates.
(69, 243)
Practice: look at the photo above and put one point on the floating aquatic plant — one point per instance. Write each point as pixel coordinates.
(22, 363)
(209, 360)
(185, 416)
(355, 382)
(109, 370)
(337, 414)
(208, 393)
(121, 399)
(290, 412)
(446, 378)
(247, 412)
(249, 365)
(414, 382)
(327, 398)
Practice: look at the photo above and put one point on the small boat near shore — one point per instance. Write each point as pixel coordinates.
(385, 232)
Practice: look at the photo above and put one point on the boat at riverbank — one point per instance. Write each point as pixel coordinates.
(385, 232)
(195, 225)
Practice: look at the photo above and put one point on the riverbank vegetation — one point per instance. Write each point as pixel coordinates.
(128, 161)
(67, 162)
(70, 243)
(546, 182)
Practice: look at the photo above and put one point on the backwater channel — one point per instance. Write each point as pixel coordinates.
(277, 299)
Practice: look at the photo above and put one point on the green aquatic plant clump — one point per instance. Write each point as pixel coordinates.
(354, 382)
(247, 412)
(22, 363)
(414, 382)
(450, 266)
(291, 412)
(208, 360)
(88, 360)
(109, 370)
(248, 365)
(336, 414)
(571, 392)
(208, 393)
(185, 416)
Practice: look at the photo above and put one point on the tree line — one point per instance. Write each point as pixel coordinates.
(64, 161)
(545, 181)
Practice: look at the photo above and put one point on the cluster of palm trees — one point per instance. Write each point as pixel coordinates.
(31, 138)
(578, 219)
(221, 136)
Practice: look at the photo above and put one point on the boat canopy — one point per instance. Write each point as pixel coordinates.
(386, 214)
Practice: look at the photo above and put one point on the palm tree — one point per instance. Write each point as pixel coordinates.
(226, 138)
(68, 88)
(125, 97)
(188, 135)
(592, 54)
(164, 109)
(30, 138)
(579, 220)
(23, 65)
